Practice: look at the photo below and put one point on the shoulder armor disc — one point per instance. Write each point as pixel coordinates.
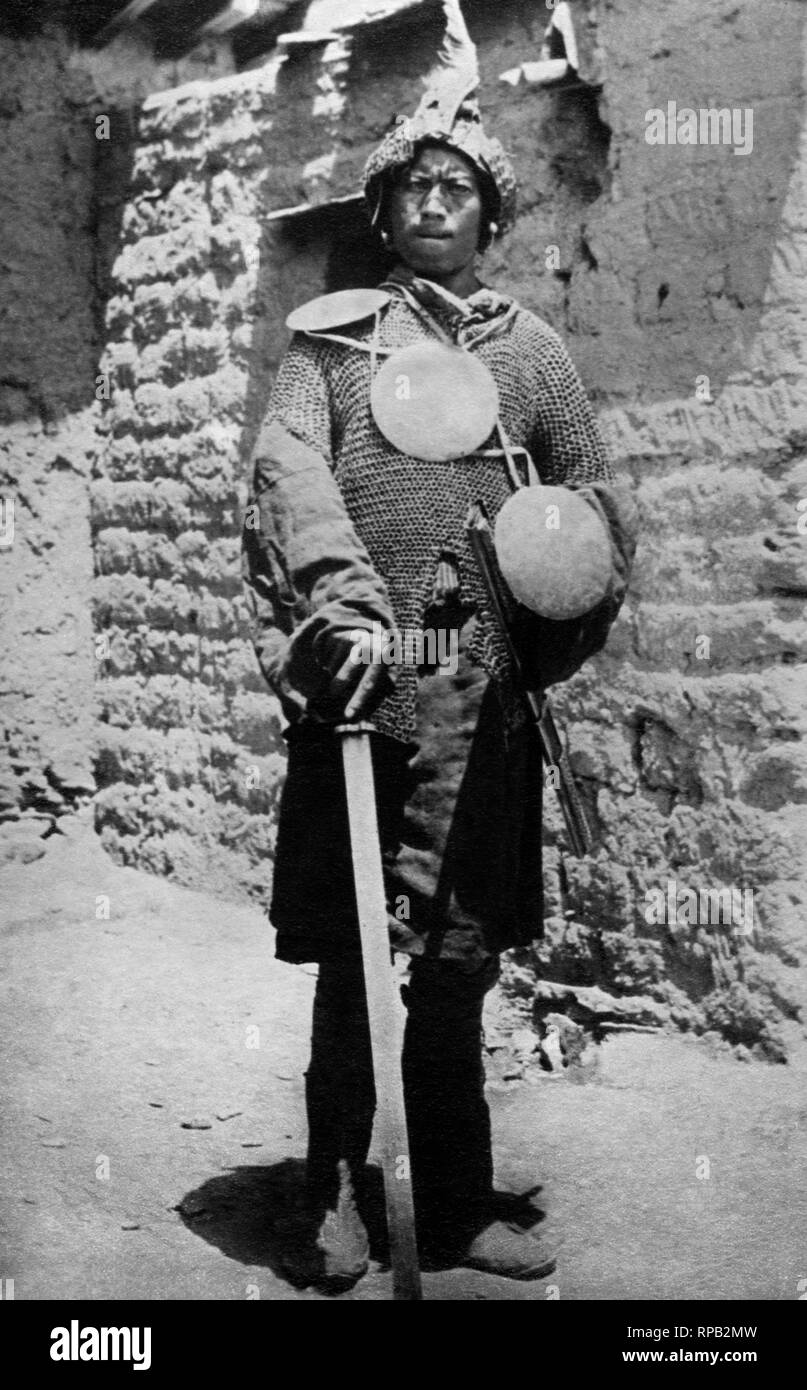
(336, 310)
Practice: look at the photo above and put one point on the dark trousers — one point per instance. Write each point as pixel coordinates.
(443, 1074)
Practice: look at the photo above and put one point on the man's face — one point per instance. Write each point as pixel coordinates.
(435, 212)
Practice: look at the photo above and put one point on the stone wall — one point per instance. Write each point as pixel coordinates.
(678, 282)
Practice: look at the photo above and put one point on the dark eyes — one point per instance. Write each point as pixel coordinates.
(456, 187)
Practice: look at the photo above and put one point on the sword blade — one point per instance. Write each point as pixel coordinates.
(379, 984)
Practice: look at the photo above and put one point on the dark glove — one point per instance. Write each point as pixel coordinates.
(355, 678)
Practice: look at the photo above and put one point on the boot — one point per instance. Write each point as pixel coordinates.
(337, 1152)
(340, 1100)
(504, 1249)
(342, 1238)
(449, 1129)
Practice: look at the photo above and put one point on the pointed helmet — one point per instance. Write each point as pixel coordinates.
(448, 114)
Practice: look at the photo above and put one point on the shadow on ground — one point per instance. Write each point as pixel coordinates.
(258, 1216)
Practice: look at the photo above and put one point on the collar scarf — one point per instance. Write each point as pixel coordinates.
(461, 316)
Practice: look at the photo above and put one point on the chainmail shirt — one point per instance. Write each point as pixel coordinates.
(408, 513)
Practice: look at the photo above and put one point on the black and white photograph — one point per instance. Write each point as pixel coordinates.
(403, 564)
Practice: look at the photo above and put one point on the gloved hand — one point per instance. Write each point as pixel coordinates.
(355, 678)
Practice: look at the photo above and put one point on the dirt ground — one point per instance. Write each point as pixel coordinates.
(671, 1172)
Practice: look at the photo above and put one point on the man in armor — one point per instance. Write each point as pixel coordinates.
(361, 510)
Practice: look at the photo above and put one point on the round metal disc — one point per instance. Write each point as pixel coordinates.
(335, 310)
(435, 402)
(554, 551)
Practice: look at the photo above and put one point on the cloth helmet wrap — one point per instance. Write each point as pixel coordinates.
(447, 115)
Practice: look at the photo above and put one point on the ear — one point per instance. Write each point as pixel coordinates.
(487, 232)
(382, 221)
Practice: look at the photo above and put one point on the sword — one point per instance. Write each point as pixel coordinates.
(552, 748)
(381, 1005)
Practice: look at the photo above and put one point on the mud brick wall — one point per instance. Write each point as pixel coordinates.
(186, 726)
(662, 267)
(62, 197)
(46, 446)
(691, 727)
